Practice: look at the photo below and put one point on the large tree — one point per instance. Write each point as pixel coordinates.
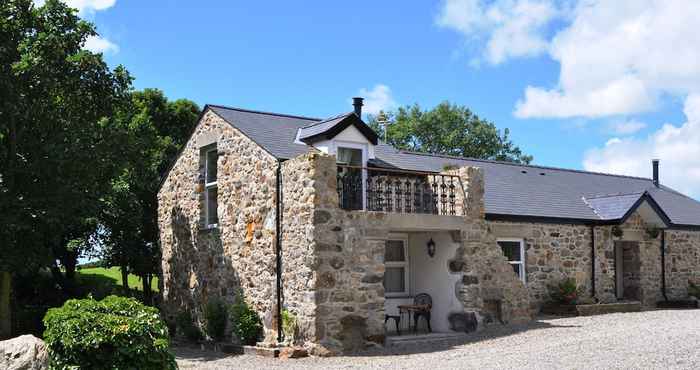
(447, 129)
(59, 147)
(157, 129)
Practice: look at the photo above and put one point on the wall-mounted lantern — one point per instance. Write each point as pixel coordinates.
(200, 184)
(431, 248)
(617, 231)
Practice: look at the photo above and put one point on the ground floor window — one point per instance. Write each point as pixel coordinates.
(514, 250)
(396, 267)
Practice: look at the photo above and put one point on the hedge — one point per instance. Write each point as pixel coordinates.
(114, 333)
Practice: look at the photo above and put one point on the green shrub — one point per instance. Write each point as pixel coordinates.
(289, 325)
(246, 322)
(566, 292)
(693, 290)
(114, 333)
(215, 315)
(186, 326)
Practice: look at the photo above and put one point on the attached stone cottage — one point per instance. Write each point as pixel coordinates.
(321, 218)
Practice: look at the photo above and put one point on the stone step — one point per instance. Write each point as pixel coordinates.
(688, 303)
(410, 339)
(603, 308)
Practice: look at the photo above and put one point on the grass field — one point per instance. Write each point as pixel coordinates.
(115, 274)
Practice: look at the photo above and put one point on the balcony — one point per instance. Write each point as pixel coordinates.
(397, 191)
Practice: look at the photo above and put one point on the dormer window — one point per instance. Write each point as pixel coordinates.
(352, 160)
(350, 156)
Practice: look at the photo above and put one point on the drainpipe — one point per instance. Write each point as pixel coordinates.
(663, 264)
(278, 249)
(593, 262)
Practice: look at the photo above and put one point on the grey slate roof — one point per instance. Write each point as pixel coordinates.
(510, 189)
(322, 126)
(613, 207)
(272, 131)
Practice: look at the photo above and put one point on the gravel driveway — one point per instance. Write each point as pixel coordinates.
(653, 339)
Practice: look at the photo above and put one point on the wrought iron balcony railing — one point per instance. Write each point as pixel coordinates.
(386, 190)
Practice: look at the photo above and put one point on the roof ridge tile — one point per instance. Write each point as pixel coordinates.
(518, 164)
(262, 112)
(327, 120)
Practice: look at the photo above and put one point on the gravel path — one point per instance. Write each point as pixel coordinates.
(652, 339)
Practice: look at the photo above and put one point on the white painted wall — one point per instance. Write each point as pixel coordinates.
(432, 276)
(349, 135)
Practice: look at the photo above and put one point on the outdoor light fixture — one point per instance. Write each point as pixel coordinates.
(431, 248)
(200, 183)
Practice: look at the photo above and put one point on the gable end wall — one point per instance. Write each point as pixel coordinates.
(239, 255)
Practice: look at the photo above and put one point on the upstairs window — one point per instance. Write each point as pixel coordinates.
(211, 158)
(351, 176)
(514, 250)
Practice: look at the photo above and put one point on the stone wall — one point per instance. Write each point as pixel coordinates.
(490, 289)
(682, 262)
(350, 258)
(553, 252)
(558, 251)
(238, 255)
(299, 261)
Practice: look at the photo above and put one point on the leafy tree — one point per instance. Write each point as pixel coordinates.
(451, 130)
(157, 130)
(58, 145)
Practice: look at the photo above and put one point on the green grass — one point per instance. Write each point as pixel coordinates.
(115, 274)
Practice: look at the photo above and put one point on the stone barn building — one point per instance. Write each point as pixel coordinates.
(322, 219)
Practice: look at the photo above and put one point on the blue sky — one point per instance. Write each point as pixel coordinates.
(503, 59)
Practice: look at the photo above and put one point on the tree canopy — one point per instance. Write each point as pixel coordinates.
(157, 130)
(450, 130)
(59, 147)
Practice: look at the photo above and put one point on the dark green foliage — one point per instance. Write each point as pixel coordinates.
(186, 326)
(566, 292)
(114, 333)
(246, 322)
(216, 316)
(450, 130)
(693, 290)
(59, 148)
(155, 130)
(617, 231)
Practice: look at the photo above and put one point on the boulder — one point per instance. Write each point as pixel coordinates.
(293, 352)
(25, 352)
(465, 322)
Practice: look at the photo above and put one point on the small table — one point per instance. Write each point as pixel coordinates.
(417, 310)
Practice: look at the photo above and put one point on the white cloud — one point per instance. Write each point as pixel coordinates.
(377, 99)
(678, 148)
(626, 127)
(512, 28)
(618, 57)
(84, 6)
(98, 44)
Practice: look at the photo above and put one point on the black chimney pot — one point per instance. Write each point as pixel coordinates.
(655, 167)
(357, 103)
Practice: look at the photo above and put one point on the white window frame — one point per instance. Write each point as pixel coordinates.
(336, 144)
(523, 258)
(208, 186)
(405, 264)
